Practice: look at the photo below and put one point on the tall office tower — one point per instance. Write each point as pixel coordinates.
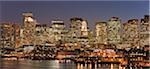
(83, 39)
(75, 29)
(131, 32)
(101, 33)
(79, 31)
(84, 28)
(58, 28)
(92, 38)
(9, 36)
(144, 31)
(28, 29)
(43, 34)
(114, 30)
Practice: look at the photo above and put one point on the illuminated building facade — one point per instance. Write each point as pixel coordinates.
(114, 30)
(7, 35)
(17, 35)
(131, 32)
(28, 29)
(43, 34)
(83, 39)
(78, 31)
(75, 29)
(101, 32)
(10, 36)
(84, 28)
(144, 31)
(58, 28)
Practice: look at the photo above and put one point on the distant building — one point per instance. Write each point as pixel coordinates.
(84, 28)
(9, 37)
(83, 39)
(28, 29)
(43, 34)
(78, 31)
(58, 28)
(92, 40)
(131, 33)
(17, 29)
(101, 32)
(144, 31)
(114, 30)
(137, 58)
(75, 29)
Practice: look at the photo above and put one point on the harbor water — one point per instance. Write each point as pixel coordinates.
(53, 64)
(47, 64)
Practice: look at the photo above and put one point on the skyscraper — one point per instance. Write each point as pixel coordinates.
(131, 32)
(114, 30)
(101, 32)
(79, 31)
(58, 28)
(43, 34)
(144, 31)
(84, 28)
(9, 37)
(28, 29)
(75, 29)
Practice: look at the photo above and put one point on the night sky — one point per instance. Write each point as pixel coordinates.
(93, 11)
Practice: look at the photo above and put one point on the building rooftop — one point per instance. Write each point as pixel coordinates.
(27, 14)
(75, 19)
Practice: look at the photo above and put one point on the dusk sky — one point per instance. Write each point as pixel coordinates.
(93, 11)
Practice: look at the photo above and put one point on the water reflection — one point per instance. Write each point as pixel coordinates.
(98, 66)
(30, 64)
(53, 64)
(86, 66)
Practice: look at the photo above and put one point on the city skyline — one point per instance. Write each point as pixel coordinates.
(69, 34)
(46, 11)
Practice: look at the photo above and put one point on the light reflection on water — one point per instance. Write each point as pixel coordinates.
(54, 64)
(36, 64)
(97, 66)
(48, 64)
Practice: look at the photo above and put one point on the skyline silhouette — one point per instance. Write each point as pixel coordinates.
(92, 11)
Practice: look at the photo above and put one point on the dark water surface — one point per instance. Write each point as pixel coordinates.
(52, 64)
(36, 64)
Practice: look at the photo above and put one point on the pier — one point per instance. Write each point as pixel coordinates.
(97, 62)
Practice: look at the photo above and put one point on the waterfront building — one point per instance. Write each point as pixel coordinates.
(144, 31)
(136, 58)
(131, 33)
(101, 33)
(146, 49)
(114, 30)
(10, 34)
